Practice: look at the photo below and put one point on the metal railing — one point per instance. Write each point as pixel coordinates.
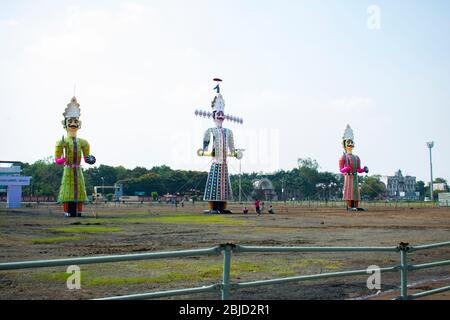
(225, 286)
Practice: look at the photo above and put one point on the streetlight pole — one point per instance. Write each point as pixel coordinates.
(240, 180)
(430, 145)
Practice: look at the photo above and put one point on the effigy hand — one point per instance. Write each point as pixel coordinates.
(90, 159)
(238, 154)
(345, 170)
(366, 169)
(60, 160)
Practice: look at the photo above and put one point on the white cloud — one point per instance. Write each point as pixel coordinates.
(10, 22)
(351, 104)
(88, 33)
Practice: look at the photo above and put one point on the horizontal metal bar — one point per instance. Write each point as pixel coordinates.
(430, 246)
(429, 265)
(160, 294)
(106, 259)
(240, 248)
(309, 277)
(429, 292)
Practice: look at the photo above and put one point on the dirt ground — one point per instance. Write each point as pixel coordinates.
(42, 232)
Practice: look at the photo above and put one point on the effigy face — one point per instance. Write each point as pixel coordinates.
(219, 117)
(72, 126)
(349, 145)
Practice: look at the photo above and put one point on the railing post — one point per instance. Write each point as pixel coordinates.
(226, 269)
(404, 248)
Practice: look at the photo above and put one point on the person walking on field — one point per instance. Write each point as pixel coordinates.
(262, 207)
(258, 211)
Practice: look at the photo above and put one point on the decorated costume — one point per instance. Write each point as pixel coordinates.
(69, 151)
(350, 166)
(218, 187)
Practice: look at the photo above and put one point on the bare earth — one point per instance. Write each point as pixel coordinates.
(44, 233)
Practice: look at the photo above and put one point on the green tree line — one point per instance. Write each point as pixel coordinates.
(306, 182)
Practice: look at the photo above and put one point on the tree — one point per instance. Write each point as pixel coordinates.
(420, 187)
(308, 163)
(328, 183)
(45, 175)
(246, 185)
(440, 180)
(372, 187)
(107, 172)
(137, 172)
(309, 177)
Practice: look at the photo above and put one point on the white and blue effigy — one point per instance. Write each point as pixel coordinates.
(218, 186)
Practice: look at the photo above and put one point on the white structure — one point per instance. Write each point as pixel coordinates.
(444, 199)
(439, 186)
(265, 187)
(399, 186)
(100, 196)
(11, 179)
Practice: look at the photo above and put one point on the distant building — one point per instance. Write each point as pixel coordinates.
(444, 199)
(439, 186)
(399, 186)
(264, 189)
(11, 183)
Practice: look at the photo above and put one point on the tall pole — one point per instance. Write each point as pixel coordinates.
(430, 145)
(240, 181)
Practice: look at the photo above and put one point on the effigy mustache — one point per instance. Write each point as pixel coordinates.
(207, 114)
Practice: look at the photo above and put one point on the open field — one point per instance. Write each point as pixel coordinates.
(43, 233)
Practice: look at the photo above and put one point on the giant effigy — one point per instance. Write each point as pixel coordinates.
(350, 166)
(218, 187)
(68, 152)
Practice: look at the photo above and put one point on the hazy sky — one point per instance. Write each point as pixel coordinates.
(296, 71)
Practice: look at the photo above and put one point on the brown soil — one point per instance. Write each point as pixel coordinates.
(142, 231)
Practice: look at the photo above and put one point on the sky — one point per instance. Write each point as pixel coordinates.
(297, 72)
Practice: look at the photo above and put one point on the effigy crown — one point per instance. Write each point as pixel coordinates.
(73, 109)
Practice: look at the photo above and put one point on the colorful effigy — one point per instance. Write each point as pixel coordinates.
(69, 151)
(218, 187)
(350, 166)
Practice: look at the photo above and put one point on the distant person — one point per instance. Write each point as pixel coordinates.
(262, 207)
(258, 210)
(245, 210)
(271, 210)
